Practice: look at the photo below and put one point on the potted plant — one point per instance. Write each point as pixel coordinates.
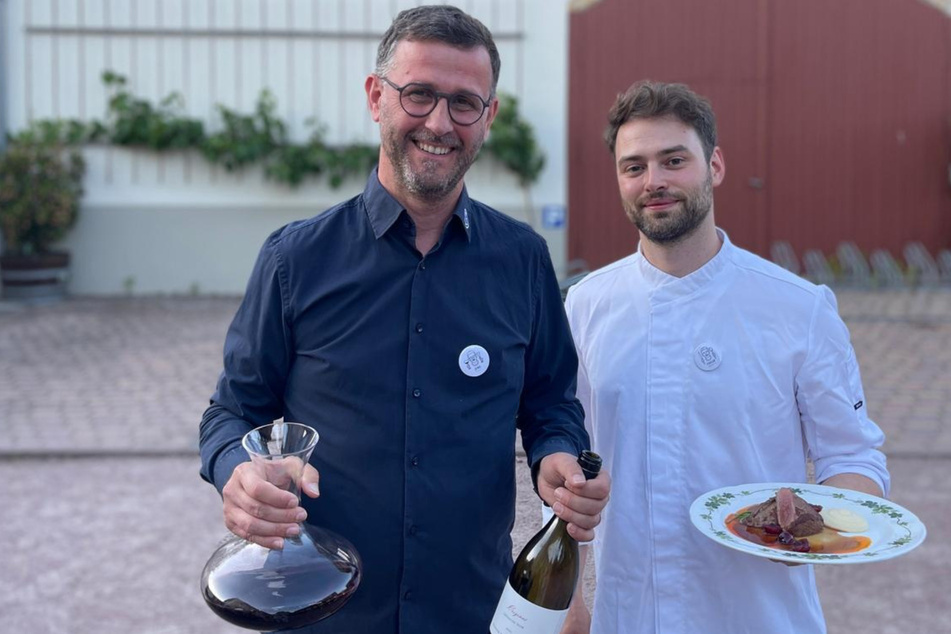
(40, 188)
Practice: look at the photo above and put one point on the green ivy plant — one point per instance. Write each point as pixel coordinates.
(135, 122)
(261, 138)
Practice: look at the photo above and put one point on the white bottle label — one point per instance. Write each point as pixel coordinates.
(517, 615)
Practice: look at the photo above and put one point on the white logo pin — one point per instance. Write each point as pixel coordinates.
(706, 357)
(473, 360)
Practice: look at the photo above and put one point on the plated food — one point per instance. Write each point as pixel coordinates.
(806, 523)
(787, 522)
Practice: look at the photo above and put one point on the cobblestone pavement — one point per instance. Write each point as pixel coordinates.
(104, 375)
(106, 523)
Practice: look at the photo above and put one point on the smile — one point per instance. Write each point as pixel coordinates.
(432, 149)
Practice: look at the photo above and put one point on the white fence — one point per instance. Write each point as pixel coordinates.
(170, 223)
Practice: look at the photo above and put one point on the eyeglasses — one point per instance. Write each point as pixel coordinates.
(418, 100)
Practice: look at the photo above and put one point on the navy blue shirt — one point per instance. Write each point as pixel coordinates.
(415, 372)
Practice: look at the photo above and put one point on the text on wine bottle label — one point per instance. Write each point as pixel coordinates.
(517, 615)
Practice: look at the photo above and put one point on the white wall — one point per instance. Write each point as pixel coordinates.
(171, 223)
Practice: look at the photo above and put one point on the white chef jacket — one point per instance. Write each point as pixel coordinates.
(733, 374)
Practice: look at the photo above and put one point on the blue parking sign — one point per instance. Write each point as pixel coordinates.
(553, 216)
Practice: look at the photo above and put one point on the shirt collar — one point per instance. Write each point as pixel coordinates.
(670, 286)
(383, 209)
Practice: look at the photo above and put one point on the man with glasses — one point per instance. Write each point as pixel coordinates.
(415, 328)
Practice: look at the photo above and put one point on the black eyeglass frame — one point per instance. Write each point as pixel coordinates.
(448, 96)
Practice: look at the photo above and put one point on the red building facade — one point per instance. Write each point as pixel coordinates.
(834, 117)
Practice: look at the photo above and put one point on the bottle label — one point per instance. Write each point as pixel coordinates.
(517, 615)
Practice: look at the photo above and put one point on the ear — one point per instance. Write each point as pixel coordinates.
(490, 113)
(374, 90)
(717, 166)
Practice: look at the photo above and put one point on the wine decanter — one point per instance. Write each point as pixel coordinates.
(312, 577)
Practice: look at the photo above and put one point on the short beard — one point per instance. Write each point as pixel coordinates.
(679, 224)
(425, 183)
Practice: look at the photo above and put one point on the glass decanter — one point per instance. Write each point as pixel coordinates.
(311, 578)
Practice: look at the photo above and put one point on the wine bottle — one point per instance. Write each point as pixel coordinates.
(539, 588)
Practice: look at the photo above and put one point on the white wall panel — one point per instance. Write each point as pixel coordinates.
(93, 13)
(120, 13)
(39, 13)
(171, 13)
(329, 16)
(69, 78)
(301, 14)
(41, 98)
(66, 13)
(312, 54)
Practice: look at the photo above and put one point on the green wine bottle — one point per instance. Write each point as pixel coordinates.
(539, 588)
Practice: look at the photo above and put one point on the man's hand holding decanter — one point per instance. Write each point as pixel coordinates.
(260, 501)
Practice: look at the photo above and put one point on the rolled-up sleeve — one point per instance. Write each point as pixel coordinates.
(841, 437)
(257, 355)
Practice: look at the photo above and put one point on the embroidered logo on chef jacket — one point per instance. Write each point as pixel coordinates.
(473, 360)
(706, 357)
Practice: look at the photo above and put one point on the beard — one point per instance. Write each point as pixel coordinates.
(677, 224)
(429, 181)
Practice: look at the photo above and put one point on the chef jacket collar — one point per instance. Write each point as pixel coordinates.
(666, 287)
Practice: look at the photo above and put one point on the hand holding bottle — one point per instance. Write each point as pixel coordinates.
(562, 485)
(257, 509)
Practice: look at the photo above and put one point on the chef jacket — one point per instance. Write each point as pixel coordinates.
(736, 373)
(415, 371)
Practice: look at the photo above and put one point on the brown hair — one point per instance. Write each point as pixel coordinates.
(648, 99)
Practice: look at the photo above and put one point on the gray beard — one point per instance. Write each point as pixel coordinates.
(426, 184)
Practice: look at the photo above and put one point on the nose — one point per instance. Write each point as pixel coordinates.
(654, 179)
(438, 121)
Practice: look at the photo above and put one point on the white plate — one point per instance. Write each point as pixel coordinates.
(893, 530)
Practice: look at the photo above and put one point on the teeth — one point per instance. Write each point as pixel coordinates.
(432, 149)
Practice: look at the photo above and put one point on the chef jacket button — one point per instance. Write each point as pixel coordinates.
(416, 393)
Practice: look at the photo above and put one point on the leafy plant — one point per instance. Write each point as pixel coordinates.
(40, 188)
(136, 122)
(261, 137)
(246, 139)
(512, 142)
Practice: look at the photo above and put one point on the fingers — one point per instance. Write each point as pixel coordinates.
(258, 511)
(310, 482)
(581, 505)
(790, 564)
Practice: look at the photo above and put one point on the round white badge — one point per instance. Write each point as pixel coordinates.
(706, 357)
(473, 360)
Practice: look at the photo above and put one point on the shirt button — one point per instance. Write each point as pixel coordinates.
(415, 461)
(422, 265)
(416, 393)
(419, 328)
(407, 594)
(413, 529)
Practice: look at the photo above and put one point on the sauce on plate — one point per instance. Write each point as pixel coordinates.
(828, 542)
